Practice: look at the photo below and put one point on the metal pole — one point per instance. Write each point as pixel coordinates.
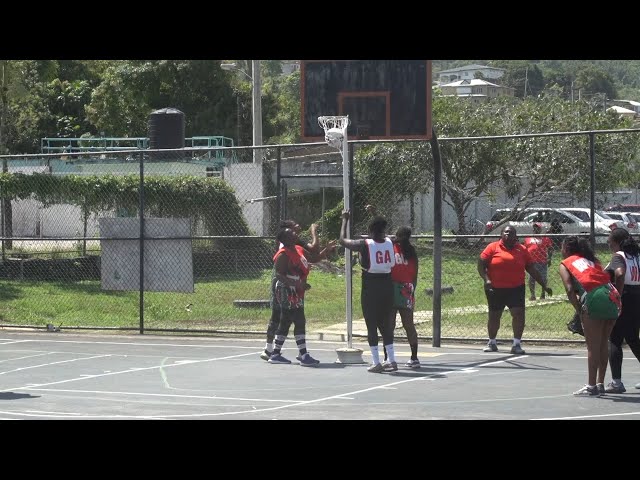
(437, 240)
(141, 208)
(347, 251)
(592, 155)
(256, 104)
(237, 118)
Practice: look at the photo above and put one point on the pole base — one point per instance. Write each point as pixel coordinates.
(352, 356)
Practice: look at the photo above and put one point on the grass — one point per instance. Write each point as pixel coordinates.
(211, 306)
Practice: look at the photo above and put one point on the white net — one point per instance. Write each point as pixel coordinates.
(335, 129)
(334, 137)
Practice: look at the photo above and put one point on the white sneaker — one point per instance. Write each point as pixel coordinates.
(413, 363)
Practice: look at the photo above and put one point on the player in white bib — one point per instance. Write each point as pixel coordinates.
(376, 259)
(624, 268)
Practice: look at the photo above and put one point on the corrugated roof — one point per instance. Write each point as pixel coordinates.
(471, 83)
(469, 67)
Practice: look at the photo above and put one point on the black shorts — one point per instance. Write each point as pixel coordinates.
(498, 298)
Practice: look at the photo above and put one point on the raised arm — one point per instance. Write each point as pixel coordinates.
(314, 246)
(344, 241)
(315, 257)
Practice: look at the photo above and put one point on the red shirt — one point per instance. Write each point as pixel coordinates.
(538, 248)
(505, 268)
(405, 269)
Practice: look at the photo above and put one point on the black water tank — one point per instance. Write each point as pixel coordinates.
(166, 130)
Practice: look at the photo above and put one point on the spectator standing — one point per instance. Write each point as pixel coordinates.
(541, 251)
(502, 267)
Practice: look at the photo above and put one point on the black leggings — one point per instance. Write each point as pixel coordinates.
(273, 323)
(627, 328)
(287, 317)
(376, 299)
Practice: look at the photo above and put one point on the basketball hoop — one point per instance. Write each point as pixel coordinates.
(335, 129)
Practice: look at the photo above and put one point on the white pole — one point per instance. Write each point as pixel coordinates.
(347, 252)
(256, 103)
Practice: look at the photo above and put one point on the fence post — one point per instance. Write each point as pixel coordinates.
(141, 215)
(592, 155)
(437, 240)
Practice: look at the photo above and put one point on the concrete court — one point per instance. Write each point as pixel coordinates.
(49, 375)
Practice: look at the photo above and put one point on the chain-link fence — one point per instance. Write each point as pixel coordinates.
(182, 240)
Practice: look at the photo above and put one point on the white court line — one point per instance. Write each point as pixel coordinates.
(26, 356)
(294, 404)
(254, 409)
(106, 374)
(52, 363)
(579, 417)
(167, 395)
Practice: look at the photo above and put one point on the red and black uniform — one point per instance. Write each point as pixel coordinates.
(403, 275)
(290, 299)
(594, 288)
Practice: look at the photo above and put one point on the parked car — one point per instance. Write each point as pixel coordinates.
(600, 216)
(623, 207)
(523, 222)
(629, 223)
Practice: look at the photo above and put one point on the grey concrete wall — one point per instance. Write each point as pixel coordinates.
(168, 264)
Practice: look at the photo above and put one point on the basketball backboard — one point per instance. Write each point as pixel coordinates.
(384, 99)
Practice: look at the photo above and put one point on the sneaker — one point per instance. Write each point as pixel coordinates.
(413, 363)
(587, 391)
(307, 361)
(277, 358)
(390, 366)
(613, 388)
(491, 347)
(601, 389)
(265, 355)
(377, 368)
(517, 350)
(575, 325)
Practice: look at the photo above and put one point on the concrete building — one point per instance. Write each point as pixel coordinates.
(469, 73)
(476, 90)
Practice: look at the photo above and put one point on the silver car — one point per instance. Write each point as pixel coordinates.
(629, 219)
(523, 222)
(599, 216)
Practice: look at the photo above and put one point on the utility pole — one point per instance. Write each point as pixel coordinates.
(526, 80)
(572, 90)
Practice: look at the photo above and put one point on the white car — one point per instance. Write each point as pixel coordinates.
(600, 216)
(523, 222)
(629, 222)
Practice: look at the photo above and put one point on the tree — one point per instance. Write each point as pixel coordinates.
(130, 90)
(523, 76)
(593, 80)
